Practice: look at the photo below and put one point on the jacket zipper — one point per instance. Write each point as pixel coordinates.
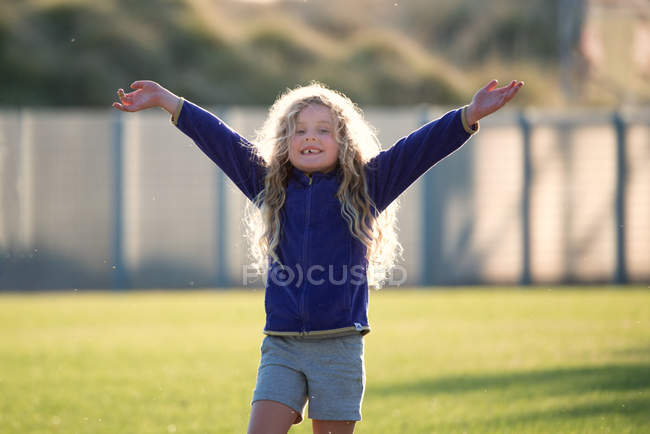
(303, 313)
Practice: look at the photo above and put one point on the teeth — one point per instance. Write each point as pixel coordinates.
(310, 151)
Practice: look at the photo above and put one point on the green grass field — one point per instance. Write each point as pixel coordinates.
(552, 360)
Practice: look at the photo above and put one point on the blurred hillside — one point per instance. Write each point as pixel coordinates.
(77, 52)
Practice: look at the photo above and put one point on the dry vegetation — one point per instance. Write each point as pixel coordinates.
(76, 52)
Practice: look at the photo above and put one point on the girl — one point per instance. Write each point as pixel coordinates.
(323, 227)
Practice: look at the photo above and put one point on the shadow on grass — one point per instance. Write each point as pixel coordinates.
(559, 381)
(534, 386)
(557, 419)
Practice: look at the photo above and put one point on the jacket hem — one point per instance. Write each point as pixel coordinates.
(322, 333)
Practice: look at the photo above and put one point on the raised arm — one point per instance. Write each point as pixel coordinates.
(391, 172)
(231, 152)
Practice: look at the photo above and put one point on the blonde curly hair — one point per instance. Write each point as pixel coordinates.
(358, 144)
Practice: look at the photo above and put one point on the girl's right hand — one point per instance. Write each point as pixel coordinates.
(147, 94)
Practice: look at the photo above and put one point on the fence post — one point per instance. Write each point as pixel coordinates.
(117, 272)
(222, 275)
(25, 182)
(525, 200)
(428, 215)
(565, 147)
(620, 276)
(222, 278)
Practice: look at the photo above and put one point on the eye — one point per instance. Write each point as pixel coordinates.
(324, 131)
(300, 131)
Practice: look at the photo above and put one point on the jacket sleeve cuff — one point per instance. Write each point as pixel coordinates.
(471, 129)
(177, 112)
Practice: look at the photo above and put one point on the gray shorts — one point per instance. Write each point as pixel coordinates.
(327, 372)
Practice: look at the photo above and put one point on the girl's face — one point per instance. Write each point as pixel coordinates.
(313, 147)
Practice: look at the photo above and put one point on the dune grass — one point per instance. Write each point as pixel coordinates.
(547, 360)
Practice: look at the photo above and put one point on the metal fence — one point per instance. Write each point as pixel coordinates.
(99, 199)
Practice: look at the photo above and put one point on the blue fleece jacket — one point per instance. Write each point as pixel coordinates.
(320, 286)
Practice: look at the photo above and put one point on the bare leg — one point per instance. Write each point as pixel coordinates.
(333, 426)
(270, 417)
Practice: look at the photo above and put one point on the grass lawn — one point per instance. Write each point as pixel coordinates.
(489, 360)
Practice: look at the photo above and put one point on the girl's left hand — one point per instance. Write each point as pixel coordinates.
(490, 99)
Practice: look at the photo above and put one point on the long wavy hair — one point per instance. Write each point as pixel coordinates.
(357, 145)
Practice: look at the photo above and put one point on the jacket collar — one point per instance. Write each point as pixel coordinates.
(304, 178)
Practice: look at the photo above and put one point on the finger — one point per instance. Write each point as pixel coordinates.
(122, 107)
(513, 91)
(517, 86)
(138, 84)
(119, 106)
(508, 95)
(507, 88)
(514, 85)
(121, 95)
(491, 85)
